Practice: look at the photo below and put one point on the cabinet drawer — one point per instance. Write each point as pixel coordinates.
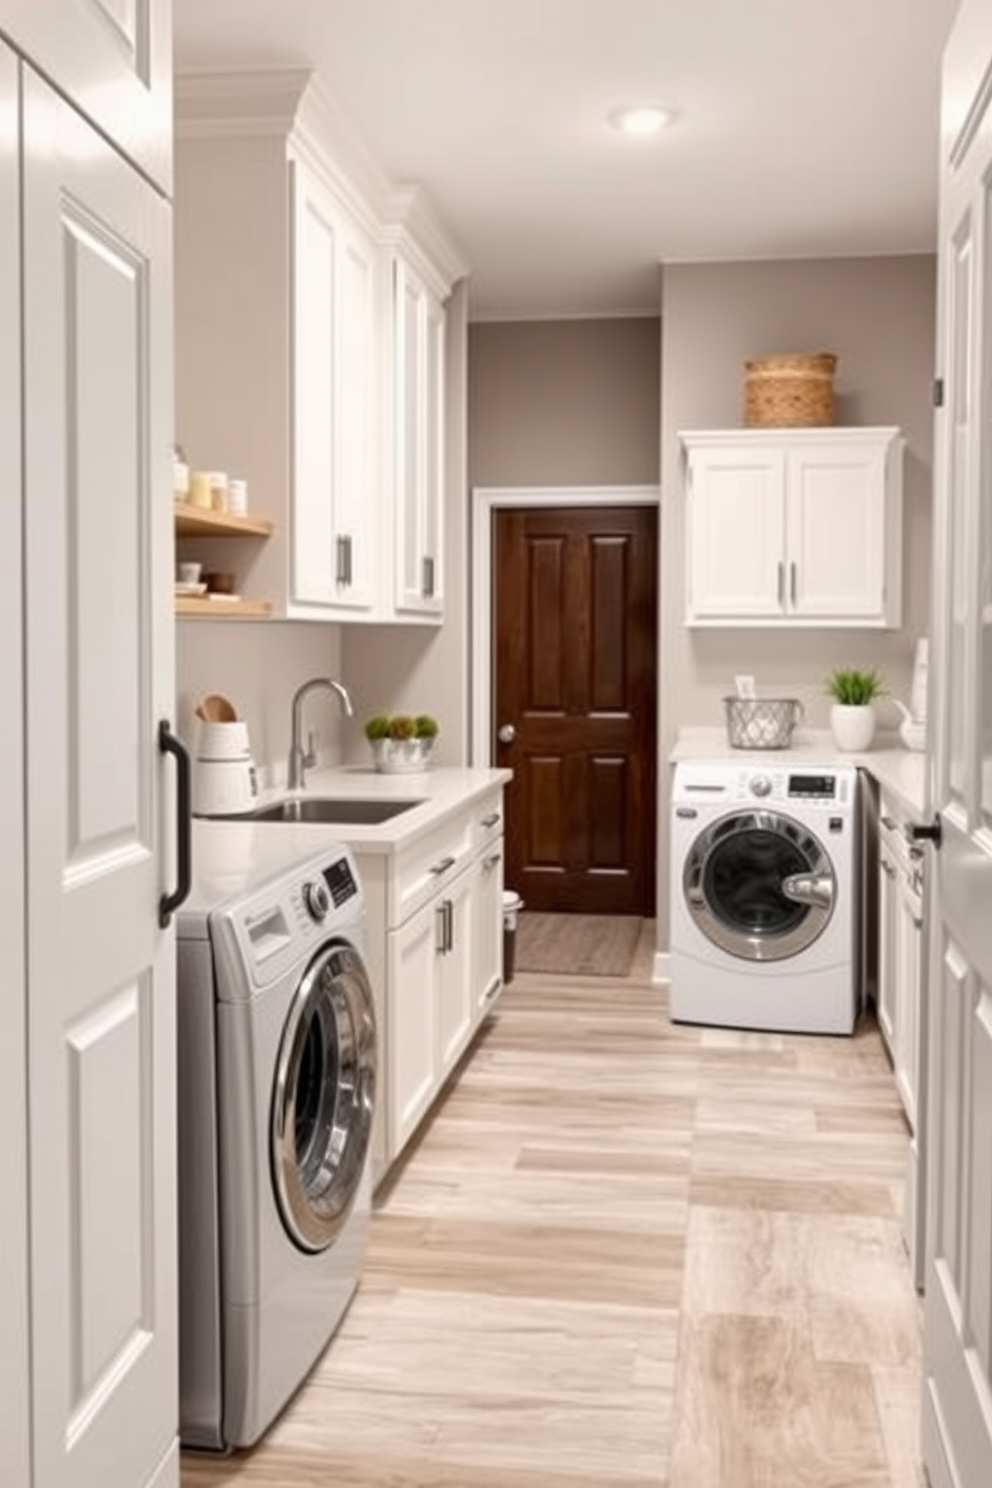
(427, 865)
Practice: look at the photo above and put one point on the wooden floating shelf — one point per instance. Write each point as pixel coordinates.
(196, 521)
(222, 609)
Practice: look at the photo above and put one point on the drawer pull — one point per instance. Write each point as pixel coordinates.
(443, 866)
(491, 862)
(918, 922)
(889, 823)
(491, 821)
(888, 870)
(441, 926)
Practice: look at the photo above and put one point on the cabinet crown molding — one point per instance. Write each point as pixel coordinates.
(413, 229)
(293, 104)
(808, 434)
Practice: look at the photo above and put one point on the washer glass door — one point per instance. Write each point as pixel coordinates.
(759, 885)
(323, 1100)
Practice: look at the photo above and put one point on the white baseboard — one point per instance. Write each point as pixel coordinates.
(662, 967)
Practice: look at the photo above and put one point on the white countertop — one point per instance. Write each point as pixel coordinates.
(230, 855)
(900, 770)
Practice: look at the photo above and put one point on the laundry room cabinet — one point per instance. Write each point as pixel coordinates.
(900, 949)
(335, 560)
(435, 957)
(88, 1288)
(794, 527)
(418, 329)
(310, 347)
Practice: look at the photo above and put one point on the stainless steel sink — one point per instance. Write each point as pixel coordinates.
(346, 810)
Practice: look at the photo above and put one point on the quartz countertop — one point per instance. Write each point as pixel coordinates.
(230, 854)
(902, 771)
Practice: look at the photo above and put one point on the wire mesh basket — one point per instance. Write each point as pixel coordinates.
(762, 723)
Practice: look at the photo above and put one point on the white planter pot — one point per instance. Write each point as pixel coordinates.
(401, 756)
(853, 727)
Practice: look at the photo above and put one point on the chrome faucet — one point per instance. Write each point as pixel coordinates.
(300, 759)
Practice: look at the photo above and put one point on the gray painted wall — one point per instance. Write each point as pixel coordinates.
(559, 403)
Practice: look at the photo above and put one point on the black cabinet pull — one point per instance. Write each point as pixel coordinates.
(926, 831)
(169, 903)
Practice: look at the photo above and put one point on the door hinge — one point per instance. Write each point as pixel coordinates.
(937, 392)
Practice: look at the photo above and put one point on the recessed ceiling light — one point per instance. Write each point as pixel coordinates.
(643, 118)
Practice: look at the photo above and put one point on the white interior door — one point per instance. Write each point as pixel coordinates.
(101, 996)
(957, 1406)
(14, 1354)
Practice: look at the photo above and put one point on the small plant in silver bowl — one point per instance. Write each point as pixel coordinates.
(402, 743)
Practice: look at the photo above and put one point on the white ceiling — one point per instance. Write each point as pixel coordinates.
(807, 128)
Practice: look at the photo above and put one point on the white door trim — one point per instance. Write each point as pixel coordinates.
(485, 501)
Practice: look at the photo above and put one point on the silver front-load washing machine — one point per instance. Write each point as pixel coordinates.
(276, 1070)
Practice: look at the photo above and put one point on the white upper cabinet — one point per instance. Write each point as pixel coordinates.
(336, 495)
(419, 443)
(302, 364)
(794, 527)
(114, 59)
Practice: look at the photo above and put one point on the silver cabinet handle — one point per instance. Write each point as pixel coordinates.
(887, 869)
(441, 929)
(506, 733)
(442, 866)
(490, 821)
(427, 583)
(490, 863)
(792, 583)
(781, 583)
(889, 823)
(343, 566)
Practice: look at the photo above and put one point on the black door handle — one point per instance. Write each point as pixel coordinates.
(169, 903)
(925, 831)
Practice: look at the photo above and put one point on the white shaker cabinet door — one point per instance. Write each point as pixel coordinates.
(836, 524)
(418, 351)
(114, 58)
(101, 973)
(455, 1003)
(488, 910)
(736, 534)
(14, 1352)
(412, 1023)
(336, 544)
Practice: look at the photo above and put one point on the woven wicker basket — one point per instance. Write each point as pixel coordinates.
(789, 391)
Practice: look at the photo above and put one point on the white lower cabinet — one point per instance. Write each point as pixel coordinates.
(435, 956)
(487, 903)
(900, 991)
(900, 925)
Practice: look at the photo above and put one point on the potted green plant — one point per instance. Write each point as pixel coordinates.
(401, 743)
(852, 714)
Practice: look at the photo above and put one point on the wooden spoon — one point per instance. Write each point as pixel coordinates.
(216, 708)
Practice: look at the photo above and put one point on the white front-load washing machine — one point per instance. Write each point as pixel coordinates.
(765, 883)
(276, 1072)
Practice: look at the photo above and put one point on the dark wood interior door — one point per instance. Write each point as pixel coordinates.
(575, 617)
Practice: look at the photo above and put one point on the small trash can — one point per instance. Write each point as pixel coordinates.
(512, 905)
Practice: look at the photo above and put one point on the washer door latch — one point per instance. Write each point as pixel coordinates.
(809, 888)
